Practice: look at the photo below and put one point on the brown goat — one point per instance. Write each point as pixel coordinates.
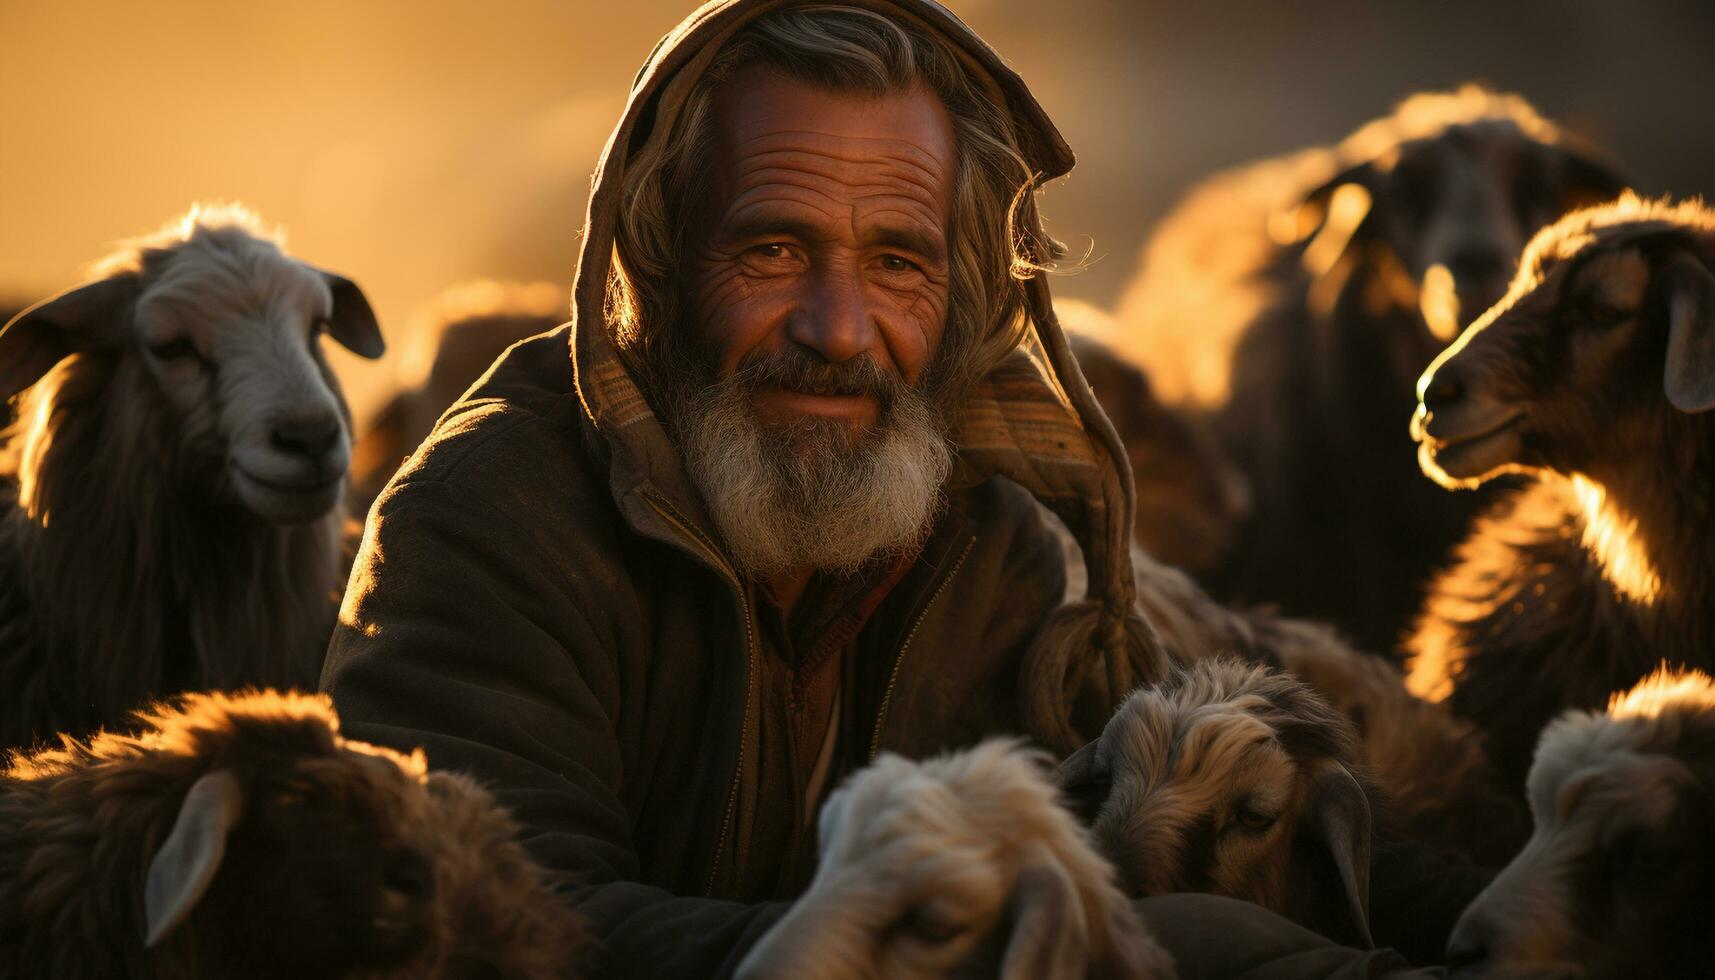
(1597, 374)
(471, 324)
(241, 836)
(1294, 303)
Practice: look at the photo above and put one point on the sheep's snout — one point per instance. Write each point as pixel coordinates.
(1468, 950)
(404, 907)
(1464, 432)
(291, 467)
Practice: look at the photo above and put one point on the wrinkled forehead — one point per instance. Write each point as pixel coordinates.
(785, 140)
(200, 286)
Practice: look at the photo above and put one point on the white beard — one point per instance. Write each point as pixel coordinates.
(807, 495)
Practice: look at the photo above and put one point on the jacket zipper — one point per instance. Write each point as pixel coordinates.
(671, 514)
(899, 658)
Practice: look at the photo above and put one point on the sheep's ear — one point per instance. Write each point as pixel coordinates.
(1310, 214)
(52, 330)
(1083, 782)
(353, 322)
(185, 865)
(1338, 825)
(1049, 938)
(1689, 376)
(1586, 180)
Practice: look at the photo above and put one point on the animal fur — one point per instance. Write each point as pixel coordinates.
(1619, 876)
(1292, 303)
(1579, 585)
(954, 866)
(1233, 779)
(134, 559)
(345, 861)
(1430, 766)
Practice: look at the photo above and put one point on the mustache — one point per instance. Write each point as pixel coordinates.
(796, 369)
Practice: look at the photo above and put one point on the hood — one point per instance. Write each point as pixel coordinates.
(1032, 420)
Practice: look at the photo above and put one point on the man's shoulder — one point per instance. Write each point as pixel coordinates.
(517, 433)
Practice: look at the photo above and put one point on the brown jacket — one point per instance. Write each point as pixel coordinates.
(541, 600)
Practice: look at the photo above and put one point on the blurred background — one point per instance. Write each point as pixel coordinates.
(414, 145)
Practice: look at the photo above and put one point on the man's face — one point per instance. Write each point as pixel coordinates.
(827, 234)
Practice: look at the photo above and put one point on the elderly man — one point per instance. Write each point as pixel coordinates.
(767, 506)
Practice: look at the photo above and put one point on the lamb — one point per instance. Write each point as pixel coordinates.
(169, 492)
(961, 865)
(1236, 779)
(1619, 876)
(1596, 375)
(471, 325)
(1233, 779)
(1291, 304)
(241, 836)
(1190, 497)
(1430, 765)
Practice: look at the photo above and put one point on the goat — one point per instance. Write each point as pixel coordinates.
(169, 492)
(1233, 779)
(1190, 497)
(1291, 304)
(471, 324)
(1596, 375)
(1619, 876)
(961, 865)
(241, 836)
(1430, 766)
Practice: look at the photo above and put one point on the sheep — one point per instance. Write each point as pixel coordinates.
(1431, 766)
(1290, 304)
(1619, 876)
(1595, 375)
(470, 325)
(1190, 497)
(242, 836)
(1234, 779)
(960, 865)
(169, 493)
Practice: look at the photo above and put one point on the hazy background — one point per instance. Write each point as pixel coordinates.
(412, 145)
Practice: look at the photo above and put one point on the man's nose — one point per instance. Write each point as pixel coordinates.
(835, 320)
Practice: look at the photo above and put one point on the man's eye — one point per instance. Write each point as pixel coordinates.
(896, 263)
(770, 250)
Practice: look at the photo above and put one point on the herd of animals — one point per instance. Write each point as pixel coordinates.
(1469, 725)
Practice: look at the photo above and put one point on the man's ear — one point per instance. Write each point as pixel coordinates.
(1688, 290)
(353, 322)
(186, 863)
(85, 318)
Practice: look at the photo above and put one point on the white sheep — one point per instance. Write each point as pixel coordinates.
(1619, 876)
(170, 489)
(241, 836)
(961, 865)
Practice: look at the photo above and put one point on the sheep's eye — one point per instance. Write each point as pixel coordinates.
(1254, 820)
(930, 926)
(172, 350)
(1604, 314)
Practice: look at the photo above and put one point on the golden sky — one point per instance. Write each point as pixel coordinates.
(411, 145)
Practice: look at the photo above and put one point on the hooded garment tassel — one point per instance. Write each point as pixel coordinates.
(1064, 705)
